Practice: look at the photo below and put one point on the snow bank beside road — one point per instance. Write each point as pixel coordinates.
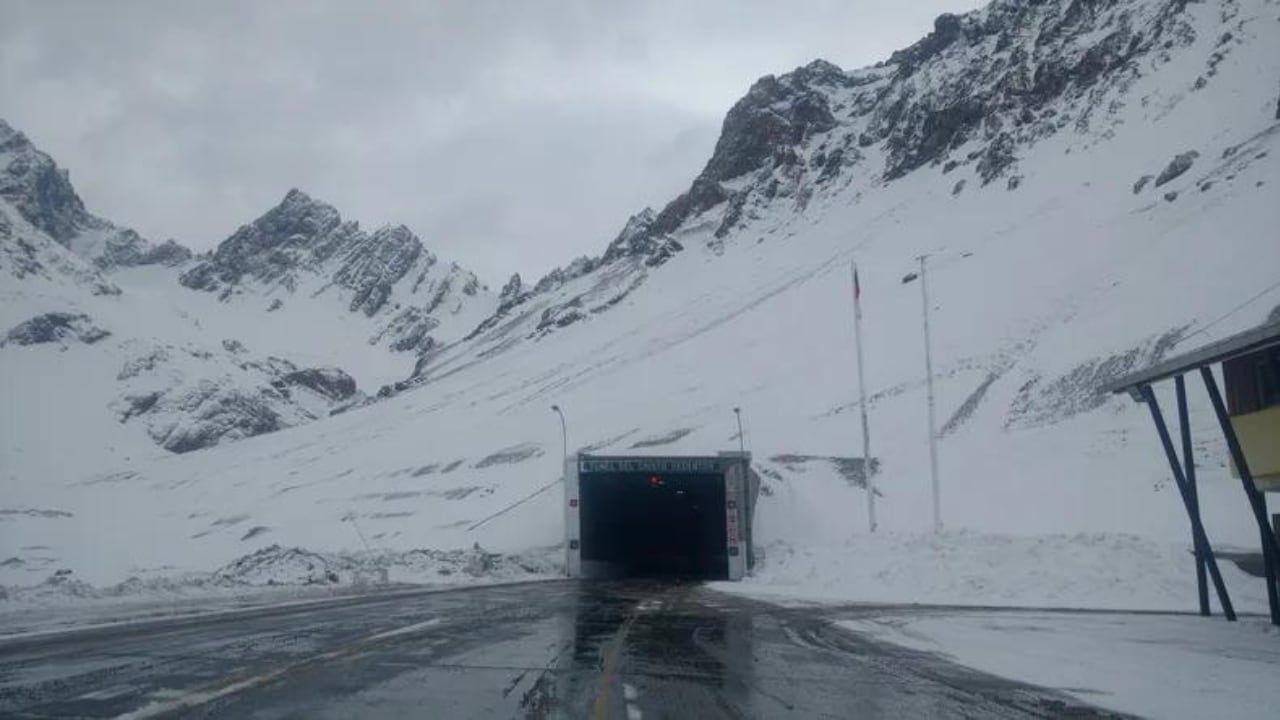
(271, 575)
(1154, 666)
(1094, 570)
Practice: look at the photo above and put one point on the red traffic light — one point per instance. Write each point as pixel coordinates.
(655, 481)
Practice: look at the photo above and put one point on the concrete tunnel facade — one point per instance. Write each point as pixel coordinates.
(685, 517)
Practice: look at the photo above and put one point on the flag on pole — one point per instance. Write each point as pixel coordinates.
(857, 287)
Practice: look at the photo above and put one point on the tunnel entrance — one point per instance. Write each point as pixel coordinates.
(672, 517)
(646, 524)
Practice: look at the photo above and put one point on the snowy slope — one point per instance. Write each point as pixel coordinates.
(737, 294)
(95, 373)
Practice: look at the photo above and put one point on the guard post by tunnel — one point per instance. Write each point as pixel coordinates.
(664, 517)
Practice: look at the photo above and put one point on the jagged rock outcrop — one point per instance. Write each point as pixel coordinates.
(1181, 163)
(332, 383)
(511, 293)
(55, 327)
(189, 398)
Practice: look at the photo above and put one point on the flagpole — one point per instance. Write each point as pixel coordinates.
(928, 376)
(868, 482)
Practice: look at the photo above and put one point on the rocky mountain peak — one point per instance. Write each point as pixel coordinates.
(38, 189)
(33, 184)
(511, 292)
(971, 97)
(297, 217)
(633, 238)
(304, 242)
(12, 140)
(776, 114)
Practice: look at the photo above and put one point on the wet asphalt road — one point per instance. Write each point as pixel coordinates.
(636, 650)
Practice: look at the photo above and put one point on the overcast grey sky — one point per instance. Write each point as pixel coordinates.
(510, 136)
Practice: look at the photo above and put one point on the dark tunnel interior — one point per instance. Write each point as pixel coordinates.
(639, 524)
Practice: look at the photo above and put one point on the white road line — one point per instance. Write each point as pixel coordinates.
(186, 700)
(406, 630)
(630, 693)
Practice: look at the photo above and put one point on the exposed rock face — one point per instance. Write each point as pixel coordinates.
(217, 414)
(575, 269)
(332, 383)
(297, 233)
(1176, 167)
(776, 115)
(39, 189)
(55, 327)
(42, 194)
(226, 397)
(169, 252)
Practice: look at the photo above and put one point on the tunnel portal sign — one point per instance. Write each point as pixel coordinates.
(710, 465)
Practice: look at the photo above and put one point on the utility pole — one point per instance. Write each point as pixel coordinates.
(928, 370)
(867, 482)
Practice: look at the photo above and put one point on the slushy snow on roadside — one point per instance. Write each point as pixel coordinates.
(1153, 666)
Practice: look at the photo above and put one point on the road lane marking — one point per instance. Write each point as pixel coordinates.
(601, 709)
(181, 700)
(631, 694)
(406, 630)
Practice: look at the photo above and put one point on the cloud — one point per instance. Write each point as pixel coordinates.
(512, 136)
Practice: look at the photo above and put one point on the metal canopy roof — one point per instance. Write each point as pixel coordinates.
(1258, 338)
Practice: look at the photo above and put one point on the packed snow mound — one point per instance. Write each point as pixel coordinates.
(278, 566)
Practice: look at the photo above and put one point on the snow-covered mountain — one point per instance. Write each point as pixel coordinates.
(109, 334)
(1095, 181)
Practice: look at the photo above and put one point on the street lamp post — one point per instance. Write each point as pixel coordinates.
(928, 374)
(564, 435)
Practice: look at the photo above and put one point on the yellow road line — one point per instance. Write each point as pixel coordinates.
(601, 709)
